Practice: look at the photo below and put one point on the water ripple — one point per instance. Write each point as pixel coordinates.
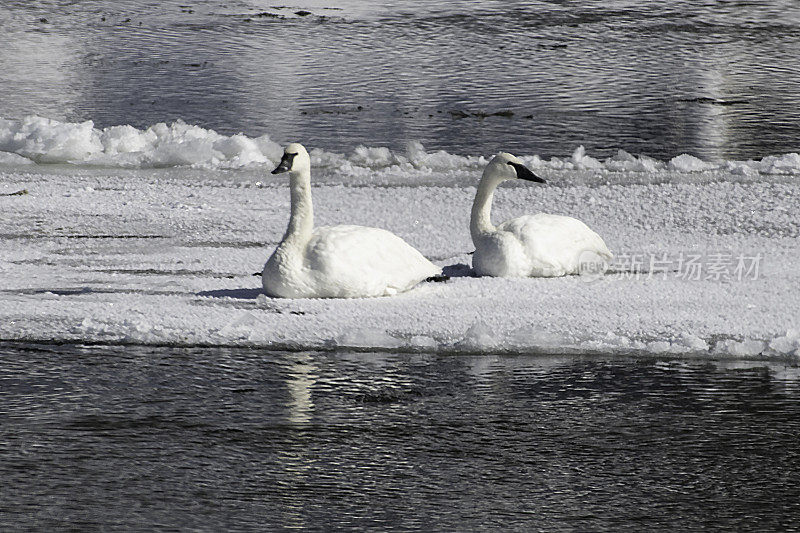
(225, 437)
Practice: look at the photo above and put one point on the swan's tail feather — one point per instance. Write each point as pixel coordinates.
(603, 251)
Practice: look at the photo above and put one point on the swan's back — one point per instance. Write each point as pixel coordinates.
(354, 261)
(554, 243)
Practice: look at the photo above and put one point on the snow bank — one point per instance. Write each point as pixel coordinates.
(43, 140)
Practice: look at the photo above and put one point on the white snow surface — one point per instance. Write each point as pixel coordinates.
(107, 245)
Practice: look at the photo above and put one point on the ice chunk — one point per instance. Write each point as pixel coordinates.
(243, 326)
(271, 150)
(8, 158)
(684, 343)
(689, 163)
(787, 344)
(742, 168)
(659, 347)
(625, 162)
(581, 161)
(239, 151)
(367, 338)
(373, 157)
(532, 336)
(93, 329)
(692, 342)
(479, 335)
(161, 145)
(126, 139)
(423, 342)
(784, 164)
(747, 347)
(50, 141)
(608, 342)
(440, 160)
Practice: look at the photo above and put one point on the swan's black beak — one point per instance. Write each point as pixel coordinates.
(524, 173)
(285, 165)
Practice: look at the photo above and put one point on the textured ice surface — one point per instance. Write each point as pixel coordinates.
(167, 255)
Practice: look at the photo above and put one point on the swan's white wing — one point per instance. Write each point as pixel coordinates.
(555, 242)
(353, 261)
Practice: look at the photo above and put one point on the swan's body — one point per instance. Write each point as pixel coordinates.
(336, 261)
(538, 245)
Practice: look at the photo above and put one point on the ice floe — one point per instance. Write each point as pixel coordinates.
(153, 236)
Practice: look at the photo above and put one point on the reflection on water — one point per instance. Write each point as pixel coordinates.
(716, 79)
(213, 439)
(301, 381)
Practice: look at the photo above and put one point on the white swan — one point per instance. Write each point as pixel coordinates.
(336, 261)
(531, 245)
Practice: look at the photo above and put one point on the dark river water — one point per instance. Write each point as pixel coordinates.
(719, 79)
(138, 438)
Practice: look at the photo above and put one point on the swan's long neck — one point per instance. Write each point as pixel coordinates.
(301, 222)
(480, 223)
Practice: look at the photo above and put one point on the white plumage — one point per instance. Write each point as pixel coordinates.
(336, 261)
(531, 245)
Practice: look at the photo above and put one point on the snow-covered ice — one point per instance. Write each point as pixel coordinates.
(154, 236)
